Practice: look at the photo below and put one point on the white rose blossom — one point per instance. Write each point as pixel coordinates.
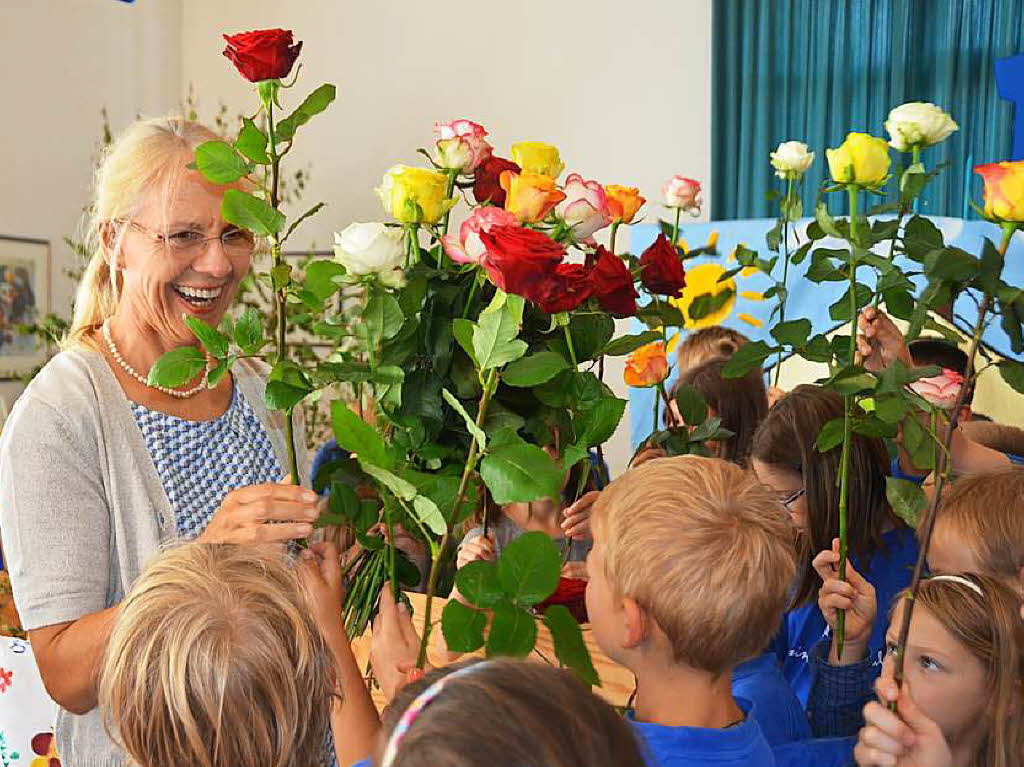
(918, 124)
(791, 159)
(372, 249)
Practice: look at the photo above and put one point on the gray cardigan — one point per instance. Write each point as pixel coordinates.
(82, 508)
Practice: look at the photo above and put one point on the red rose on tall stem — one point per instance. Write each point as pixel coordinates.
(662, 271)
(561, 291)
(487, 180)
(516, 258)
(613, 284)
(266, 54)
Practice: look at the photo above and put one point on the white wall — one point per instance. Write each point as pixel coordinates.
(63, 62)
(624, 89)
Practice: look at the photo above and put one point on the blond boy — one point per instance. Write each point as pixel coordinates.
(689, 572)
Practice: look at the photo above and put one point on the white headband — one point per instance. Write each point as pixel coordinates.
(961, 580)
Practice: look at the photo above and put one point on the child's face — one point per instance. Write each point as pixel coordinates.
(786, 484)
(604, 608)
(949, 552)
(947, 682)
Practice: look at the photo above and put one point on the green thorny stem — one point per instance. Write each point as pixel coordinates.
(785, 266)
(442, 259)
(848, 403)
(928, 521)
(490, 386)
(280, 304)
(903, 210)
(675, 228)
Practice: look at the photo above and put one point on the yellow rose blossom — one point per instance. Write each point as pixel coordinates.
(862, 159)
(623, 202)
(530, 196)
(538, 157)
(415, 195)
(1004, 189)
(703, 280)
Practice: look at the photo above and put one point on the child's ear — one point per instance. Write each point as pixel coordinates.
(635, 628)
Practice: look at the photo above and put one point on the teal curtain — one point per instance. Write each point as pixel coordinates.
(813, 70)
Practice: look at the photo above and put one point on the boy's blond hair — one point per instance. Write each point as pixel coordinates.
(705, 549)
(988, 512)
(708, 343)
(215, 661)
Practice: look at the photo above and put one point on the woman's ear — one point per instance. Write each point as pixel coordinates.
(110, 241)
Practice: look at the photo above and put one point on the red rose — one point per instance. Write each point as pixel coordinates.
(663, 272)
(515, 257)
(487, 180)
(267, 54)
(563, 290)
(613, 284)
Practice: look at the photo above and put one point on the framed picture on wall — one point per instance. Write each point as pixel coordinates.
(24, 300)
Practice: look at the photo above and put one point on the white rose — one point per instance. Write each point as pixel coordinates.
(372, 249)
(791, 159)
(918, 124)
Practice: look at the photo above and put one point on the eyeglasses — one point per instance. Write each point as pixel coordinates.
(191, 244)
(790, 500)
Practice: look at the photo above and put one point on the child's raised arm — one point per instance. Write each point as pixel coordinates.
(854, 595)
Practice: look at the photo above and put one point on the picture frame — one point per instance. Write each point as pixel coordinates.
(25, 285)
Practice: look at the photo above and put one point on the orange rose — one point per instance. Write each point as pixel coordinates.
(623, 202)
(530, 196)
(647, 366)
(1004, 189)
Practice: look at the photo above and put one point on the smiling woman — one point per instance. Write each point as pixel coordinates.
(99, 469)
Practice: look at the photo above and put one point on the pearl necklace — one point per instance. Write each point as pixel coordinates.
(144, 379)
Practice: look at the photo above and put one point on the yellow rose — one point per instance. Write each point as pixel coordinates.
(538, 157)
(529, 196)
(1004, 189)
(623, 202)
(415, 195)
(861, 160)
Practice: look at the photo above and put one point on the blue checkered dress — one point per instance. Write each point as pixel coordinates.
(200, 461)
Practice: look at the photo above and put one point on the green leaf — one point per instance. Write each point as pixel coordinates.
(479, 583)
(177, 367)
(529, 568)
(906, 498)
(215, 342)
(320, 276)
(315, 103)
(951, 265)
(825, 220)
(463, 627)
(494, 340)
(595, 425)
(570, 649)
(746, 358)
(220, 371)
(220, 163)
(521, 472)
(851, 380)
(792, 333)
(284, 396)
(281, 276)
(920, 237)
(327, 373)
(342, 506)
(691, 404)
(382, 317)
(251, 213)
(249, 331)
(1013, 373)
(402, 489)
(463, 329)
(357, 436)
(626, 344)
(534, 369)
(831, 435)
(709, 303)
(474, 430)
(840, 310)
(590, 335)
(513, 632)
(252, 142)
(818, 349)
(429, 515)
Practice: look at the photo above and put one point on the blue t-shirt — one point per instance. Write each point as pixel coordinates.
(820, 752)
(889, 572)
(778, 710)
(897, 472)
(740, 746)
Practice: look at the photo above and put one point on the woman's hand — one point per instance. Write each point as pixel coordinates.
(880, 342)
(480, 548)
(854, 595)
(395, 646)
(320, 572)
(268, 513)
(576, 524)
(906, 739)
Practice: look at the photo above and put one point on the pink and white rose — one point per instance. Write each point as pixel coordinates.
(461, 145)
(467, 247)
(585, 207)
(940, 391)
(682, 192)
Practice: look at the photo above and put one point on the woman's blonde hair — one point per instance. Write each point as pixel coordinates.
(150, 155)
(988, 625)
(215, 661)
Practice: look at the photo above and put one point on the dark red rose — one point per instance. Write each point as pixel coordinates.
(267, 54)
(486, 180)
(563, 290)
(663, 272)
(571, 592)
(516, 258)
(613, 284)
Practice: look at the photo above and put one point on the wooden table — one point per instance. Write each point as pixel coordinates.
(616, 681)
